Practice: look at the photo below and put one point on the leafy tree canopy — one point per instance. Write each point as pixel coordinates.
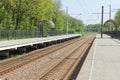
(26, 14)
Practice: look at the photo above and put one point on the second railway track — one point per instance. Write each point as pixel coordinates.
(65, 69)
(7, 66)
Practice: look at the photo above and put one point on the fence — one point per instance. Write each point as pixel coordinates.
(23, 34)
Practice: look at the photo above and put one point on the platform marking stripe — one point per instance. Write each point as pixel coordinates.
(91, 70)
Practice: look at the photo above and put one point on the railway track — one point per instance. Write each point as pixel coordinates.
(7, 66)
(47, 61)
(65, 69)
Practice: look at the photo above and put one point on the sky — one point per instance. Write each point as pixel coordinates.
(86, 10)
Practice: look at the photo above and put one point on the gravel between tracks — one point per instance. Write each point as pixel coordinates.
(37, 68)
(59, 72)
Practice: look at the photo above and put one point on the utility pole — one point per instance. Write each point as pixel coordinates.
(102, 21)
(66, 20)
(110, 11)
(110, 15)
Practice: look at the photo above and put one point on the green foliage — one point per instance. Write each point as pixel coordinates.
(117, 18)
(108, 27)
(76, 25)
(93, 28)
(26, 14)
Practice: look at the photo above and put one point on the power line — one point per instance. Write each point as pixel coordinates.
(100, 14)
(76, 15)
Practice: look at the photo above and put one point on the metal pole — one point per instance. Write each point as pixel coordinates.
(110, 11)
(102, 21)
(66, 20)
(110, 15)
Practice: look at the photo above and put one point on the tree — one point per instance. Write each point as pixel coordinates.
(93, 27)
(117, 18)
(27, 14)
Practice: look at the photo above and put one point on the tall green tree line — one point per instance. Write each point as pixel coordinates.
(117, 18)
(26, 14)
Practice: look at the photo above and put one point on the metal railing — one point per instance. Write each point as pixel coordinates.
(17, 34)
(23, 34)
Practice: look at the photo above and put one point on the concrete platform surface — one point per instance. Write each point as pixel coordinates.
(103, 60)
(13, 44)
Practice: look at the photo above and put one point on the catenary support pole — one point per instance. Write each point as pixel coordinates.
(102, 21)
(66, 20)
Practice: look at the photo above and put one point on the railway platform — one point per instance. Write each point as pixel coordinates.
(103, 60)
(26, 45)
(13, 44)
